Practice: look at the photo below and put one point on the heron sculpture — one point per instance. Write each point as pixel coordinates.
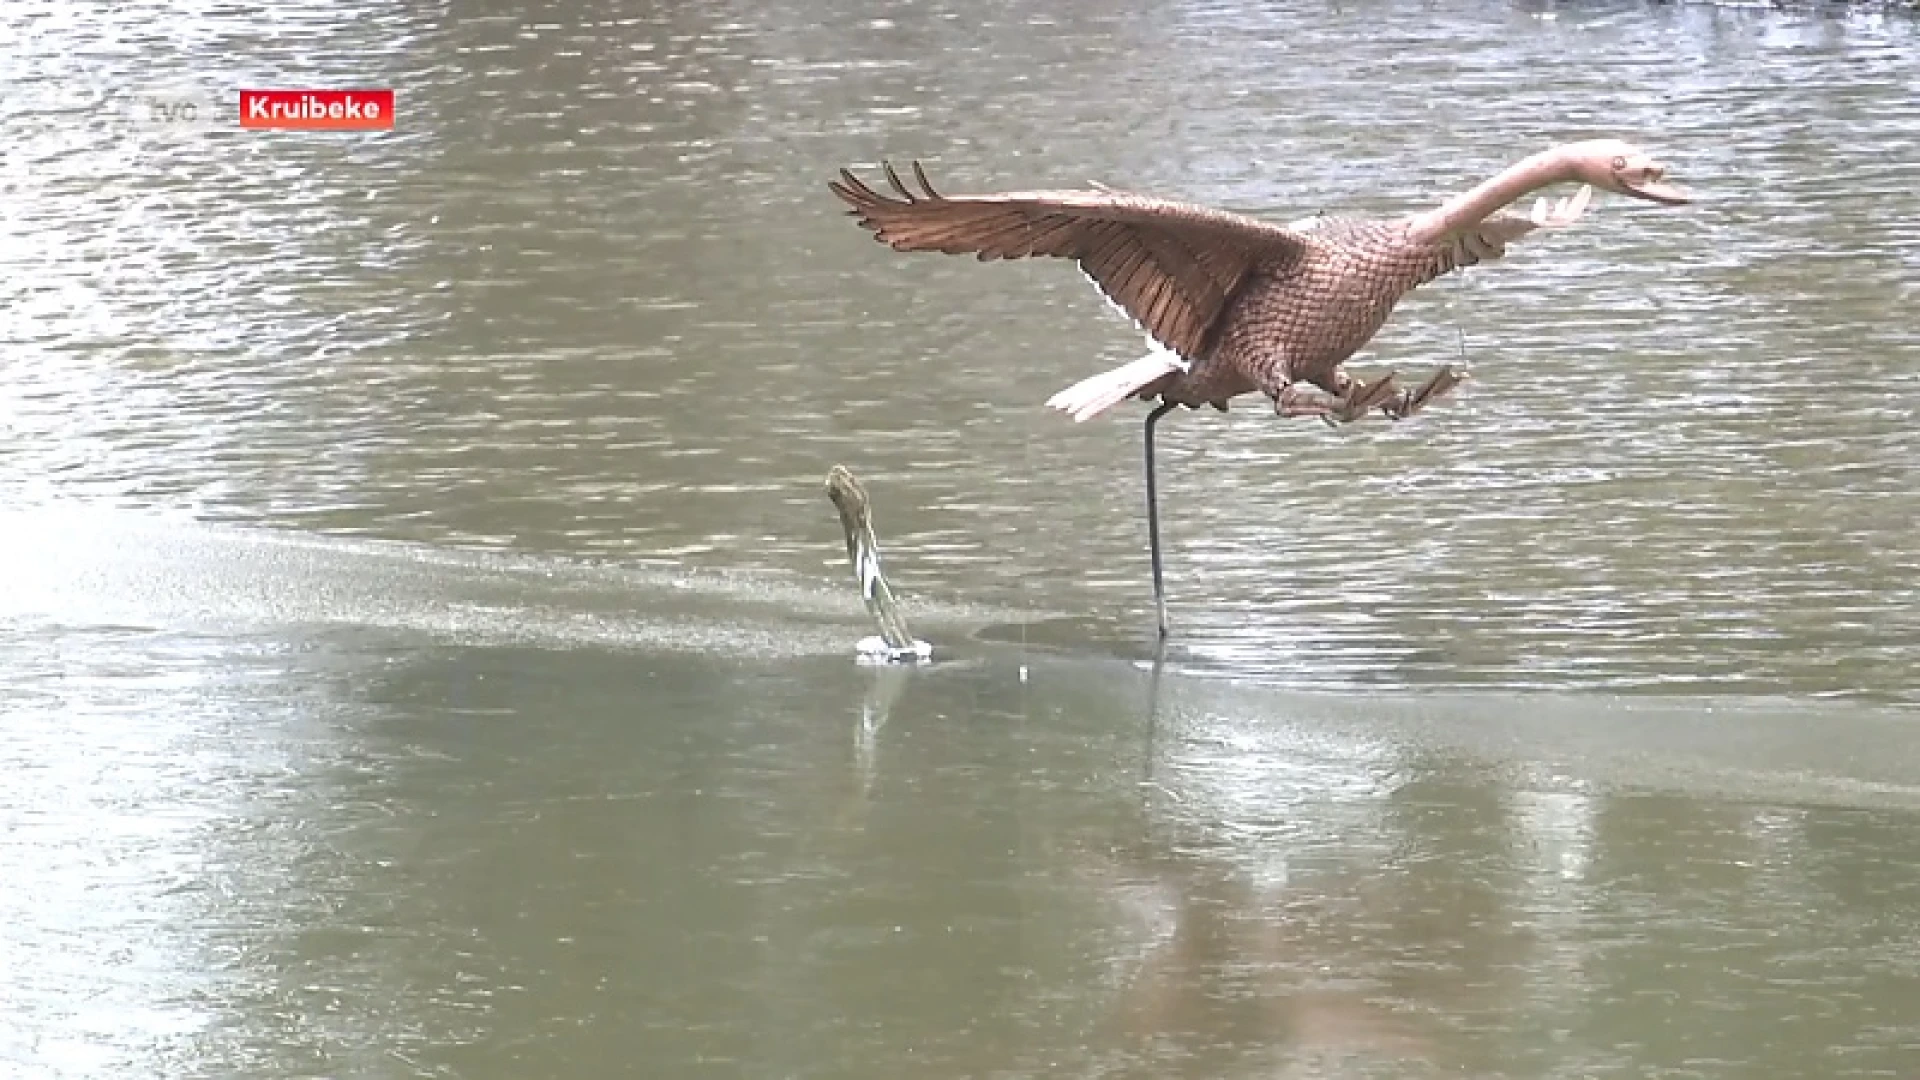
(1232, 304)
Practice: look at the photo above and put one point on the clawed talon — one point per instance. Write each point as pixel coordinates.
(1437, 386)
(1361, 399)
(1293, 401)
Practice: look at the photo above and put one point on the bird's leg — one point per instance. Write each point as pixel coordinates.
(1294, 400)
(1354, 398)
(1340, 399)
(1362, 398)
(1408, 402)
(1153, 517)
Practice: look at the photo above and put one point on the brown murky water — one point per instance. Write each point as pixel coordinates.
(424, 647)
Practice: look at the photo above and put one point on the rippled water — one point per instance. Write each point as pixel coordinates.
(423, 638)
(592, 297)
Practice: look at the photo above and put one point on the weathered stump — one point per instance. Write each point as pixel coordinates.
(895, 642)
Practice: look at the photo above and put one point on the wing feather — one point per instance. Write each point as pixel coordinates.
(1484, 241)
(1171, 266)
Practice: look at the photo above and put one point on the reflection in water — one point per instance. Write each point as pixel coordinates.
(1439, 923)
(1222, 993)
(364, 853)
(1243, 973)
(889, 681)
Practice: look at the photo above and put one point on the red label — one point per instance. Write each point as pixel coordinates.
(317, 110)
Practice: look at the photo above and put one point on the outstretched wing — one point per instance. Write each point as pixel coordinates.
(1483, 242)
(1489, 239)
(1171, 266)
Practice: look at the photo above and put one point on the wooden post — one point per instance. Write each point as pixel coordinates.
(896, 642)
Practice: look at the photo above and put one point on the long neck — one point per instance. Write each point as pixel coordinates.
(1470, 208)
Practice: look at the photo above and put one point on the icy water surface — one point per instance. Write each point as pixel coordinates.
(425, 646)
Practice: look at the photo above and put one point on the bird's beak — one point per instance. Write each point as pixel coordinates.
(1658, 191)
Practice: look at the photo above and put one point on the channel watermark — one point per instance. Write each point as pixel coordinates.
(178, 110)
(186, 109)
(178, 107)
(317, 110)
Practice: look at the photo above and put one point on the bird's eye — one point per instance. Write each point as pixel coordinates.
(1619, 163)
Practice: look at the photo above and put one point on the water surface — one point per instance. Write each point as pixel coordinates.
(425, 646)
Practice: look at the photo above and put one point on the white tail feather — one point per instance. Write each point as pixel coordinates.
(1090, 397)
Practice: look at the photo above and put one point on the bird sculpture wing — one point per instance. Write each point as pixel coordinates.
(1489, 239)
(1172, 266)
(1483, 242)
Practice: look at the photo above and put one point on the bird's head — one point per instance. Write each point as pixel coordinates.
(1625, 169)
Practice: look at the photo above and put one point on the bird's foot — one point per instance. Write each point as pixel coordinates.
(1437, 386)
(1361, 398)
(1295, 400)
